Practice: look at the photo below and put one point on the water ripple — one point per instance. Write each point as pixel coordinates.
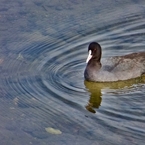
(47, 76)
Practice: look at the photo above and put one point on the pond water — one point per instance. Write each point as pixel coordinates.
(43, 96)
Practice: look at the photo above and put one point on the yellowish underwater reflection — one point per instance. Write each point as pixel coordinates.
(95, 90)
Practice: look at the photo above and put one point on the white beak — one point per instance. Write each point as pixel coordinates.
(89, 56)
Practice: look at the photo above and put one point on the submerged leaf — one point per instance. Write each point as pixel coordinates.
(53, 131)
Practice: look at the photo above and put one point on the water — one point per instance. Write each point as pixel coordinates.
(43, 48)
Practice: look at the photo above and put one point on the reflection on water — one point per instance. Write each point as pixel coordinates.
(43, 48)
(95, 90)
(95, 96)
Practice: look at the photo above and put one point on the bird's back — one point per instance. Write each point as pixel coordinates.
(125, 67)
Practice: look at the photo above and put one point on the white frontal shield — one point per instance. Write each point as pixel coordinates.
(89, 56)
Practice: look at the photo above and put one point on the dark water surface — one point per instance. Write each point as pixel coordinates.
(43, 48)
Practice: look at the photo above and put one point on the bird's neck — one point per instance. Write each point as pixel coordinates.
(95, 64)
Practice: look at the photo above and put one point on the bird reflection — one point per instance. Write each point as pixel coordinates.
(95, 90)
(95, 96)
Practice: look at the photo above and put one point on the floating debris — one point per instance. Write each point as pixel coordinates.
(15, 100)
(1, 61)
(53, 131)
(20, 56)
